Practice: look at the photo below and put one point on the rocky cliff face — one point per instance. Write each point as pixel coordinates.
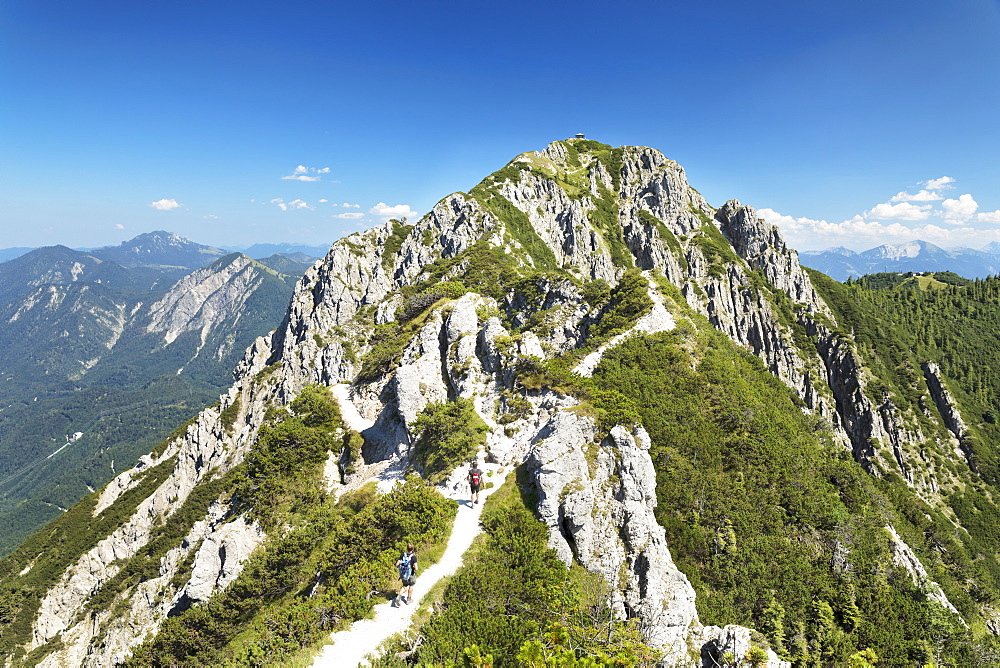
(205, 301)
(562, 218)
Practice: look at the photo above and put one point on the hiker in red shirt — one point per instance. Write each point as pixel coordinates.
(475, 479)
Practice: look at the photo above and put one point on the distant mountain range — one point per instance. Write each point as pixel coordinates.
(258, 251)
(840, 263)
(120, 344)
(919, 256)
(170, 249)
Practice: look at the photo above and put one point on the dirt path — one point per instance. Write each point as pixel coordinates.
(349, 648)
(348, 411)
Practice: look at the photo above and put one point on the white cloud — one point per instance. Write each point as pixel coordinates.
(788, 222)
(119, 226)
(922, 196)
(949, 223)
(383, 210)
(165, 204)
(303, 173)
(901, 211)
(942, 183)
(350, 206)
(349, 215)
(958, 211)
(294, 204)
(929, 193)
(323, 201)
(860, 234)
(211, 216)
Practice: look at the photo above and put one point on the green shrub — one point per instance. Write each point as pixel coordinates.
(447, 434)
(604, 216)
(293, 442)
(353, 442)
(229, 414)
(627, 303)
(418, 303)
(400, 230)
(596, 292)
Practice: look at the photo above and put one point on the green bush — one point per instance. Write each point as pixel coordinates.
(627, 303)
(448, 434)
(400, 231)
(418, 303)
(292, 442)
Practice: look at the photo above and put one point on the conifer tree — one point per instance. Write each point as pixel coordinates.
(773, 625)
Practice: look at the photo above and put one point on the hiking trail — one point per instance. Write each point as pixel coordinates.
(350, 647)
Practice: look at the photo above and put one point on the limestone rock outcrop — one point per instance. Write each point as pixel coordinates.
(948, 409)
(604, 520)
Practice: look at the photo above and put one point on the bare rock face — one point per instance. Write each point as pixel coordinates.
(903, 556)
(948, 410)
(604, 520)
(199, 300)
(220, 558)
(761, 245)
(109, 636)
(208, 449)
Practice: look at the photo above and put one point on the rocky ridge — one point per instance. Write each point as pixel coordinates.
(597, 499)
(205, 299)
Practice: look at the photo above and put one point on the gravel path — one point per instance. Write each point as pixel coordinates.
(350, 647)
(348, 411)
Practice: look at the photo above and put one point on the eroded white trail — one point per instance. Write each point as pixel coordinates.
(349, 647)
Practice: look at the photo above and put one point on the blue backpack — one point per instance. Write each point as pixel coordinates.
(406, 566)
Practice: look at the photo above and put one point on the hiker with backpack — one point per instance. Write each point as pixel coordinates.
(407, 565)
(475, 479)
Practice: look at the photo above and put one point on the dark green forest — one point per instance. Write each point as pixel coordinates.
(954, 323)
(757, 504)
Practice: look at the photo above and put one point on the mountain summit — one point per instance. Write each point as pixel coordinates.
(160, 249)
(686, 441)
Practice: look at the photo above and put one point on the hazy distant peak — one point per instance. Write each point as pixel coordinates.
(908, 249)
(917, 256)
(160, 249)
(839, 250)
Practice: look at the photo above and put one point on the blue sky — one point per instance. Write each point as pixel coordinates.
(847, 123)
